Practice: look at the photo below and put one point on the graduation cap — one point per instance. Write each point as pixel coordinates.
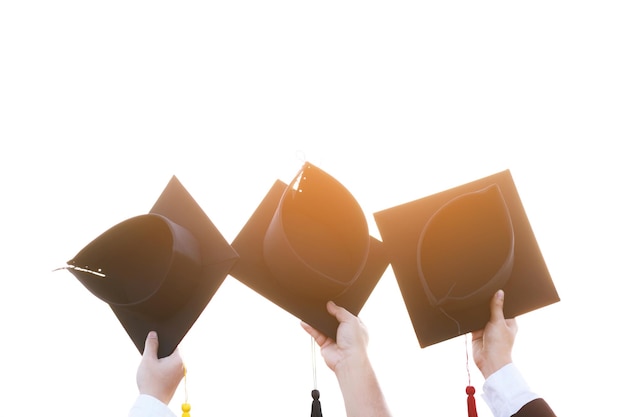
(157, 271)
(451, 251)
(308, 243)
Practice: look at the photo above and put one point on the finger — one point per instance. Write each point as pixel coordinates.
(340, 313)
(152, 345)
(332, 308)
(309, 329)
(497, 306)
(319, 337)
(477, 335)
(512, 324)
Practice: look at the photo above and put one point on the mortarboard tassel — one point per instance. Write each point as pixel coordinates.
(185, 407)
(471, 401)
(469, 390)
(316, 406)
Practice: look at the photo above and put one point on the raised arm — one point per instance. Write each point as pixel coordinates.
(505, 390)
(157, 380)
(347, 358)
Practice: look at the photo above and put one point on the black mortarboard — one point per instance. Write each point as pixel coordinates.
(451, 251)
(157, 271)
(308, 243)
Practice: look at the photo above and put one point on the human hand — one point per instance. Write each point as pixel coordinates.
(352, 338)
(492, 346)
(347, 357)
(159, 377)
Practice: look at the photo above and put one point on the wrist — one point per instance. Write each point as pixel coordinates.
(352, 363)
(491, 367)
(159, 394)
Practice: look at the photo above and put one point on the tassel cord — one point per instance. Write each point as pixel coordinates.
(316, 405)
(185, 407)
(469, 390)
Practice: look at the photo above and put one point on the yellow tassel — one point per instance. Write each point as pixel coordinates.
(185, 407)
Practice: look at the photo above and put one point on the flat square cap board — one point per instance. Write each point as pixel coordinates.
(451, 251)
(157, 271)
(308, 243)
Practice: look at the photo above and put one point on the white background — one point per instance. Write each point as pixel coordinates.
(102, 102)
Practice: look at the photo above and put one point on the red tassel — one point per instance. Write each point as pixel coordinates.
(471, 401)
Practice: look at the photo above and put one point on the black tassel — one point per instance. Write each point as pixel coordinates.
(316, 407)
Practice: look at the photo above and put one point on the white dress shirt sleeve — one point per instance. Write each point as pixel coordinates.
(506, 391)
(148, 406)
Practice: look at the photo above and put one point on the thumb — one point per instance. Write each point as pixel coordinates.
(497, 306)
(152, 345)
(340, 313)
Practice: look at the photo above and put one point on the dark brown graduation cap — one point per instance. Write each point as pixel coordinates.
(157, 271)
(451, 251)
(308, 243)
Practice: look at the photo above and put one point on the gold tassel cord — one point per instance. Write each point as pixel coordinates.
(185, 407)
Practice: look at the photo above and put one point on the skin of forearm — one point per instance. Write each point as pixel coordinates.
(361, 391)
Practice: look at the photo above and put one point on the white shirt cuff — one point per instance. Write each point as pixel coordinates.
(506, 391)
(148, 406)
